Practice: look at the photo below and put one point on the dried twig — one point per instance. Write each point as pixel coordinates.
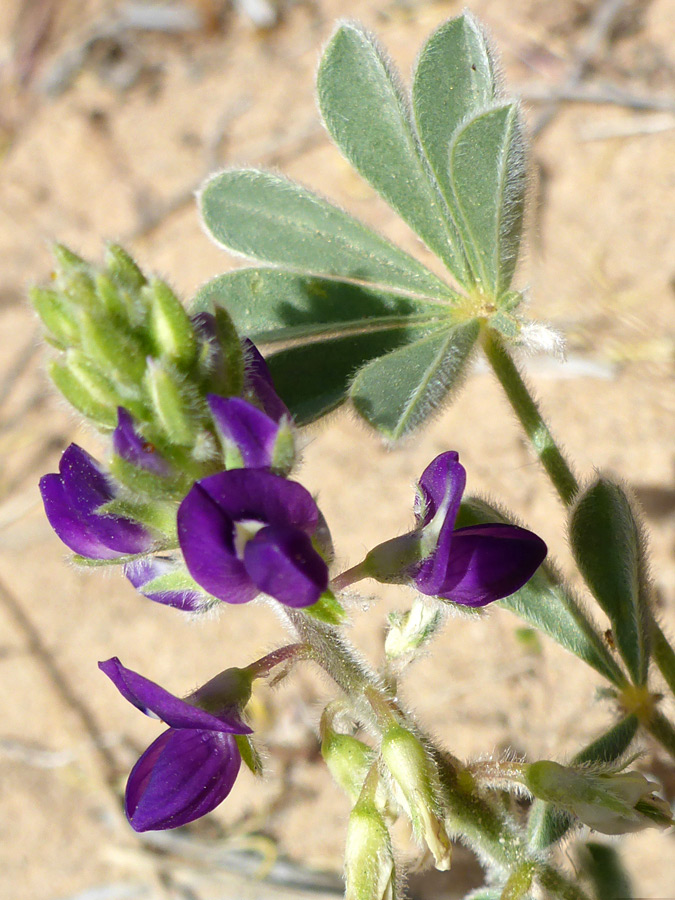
(537, 92)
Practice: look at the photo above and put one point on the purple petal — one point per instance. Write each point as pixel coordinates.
(85, 485)
(183, 775)
(437, 504)
(128, 444)
(259, 382)
(206, 536)
(151, 698)
(262, 496)
(251, 431)
(486, 563)
(142, 571)
(71, 500)
(283, 564)
(444, 475)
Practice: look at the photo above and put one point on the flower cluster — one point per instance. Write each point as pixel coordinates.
(198, 507)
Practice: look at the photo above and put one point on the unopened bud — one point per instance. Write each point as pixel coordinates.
(116, 350)
(86, 389)
(169, 405)
(610, 802)
(348, 759)
(414, 773)
(370, 873)
(55, 315)
(170, 326)
(122, 269)
(229, 344)
(410, 630)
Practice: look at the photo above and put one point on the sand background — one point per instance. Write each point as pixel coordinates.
(105, 132)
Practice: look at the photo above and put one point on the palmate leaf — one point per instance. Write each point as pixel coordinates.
(488, 180)
(367, 116)
(271, 305)
(268, 218)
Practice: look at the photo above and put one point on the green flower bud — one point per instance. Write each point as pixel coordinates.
(55, 315)
(411, 630)
(415, 775)
(370, 873)
(86, 389)
(169, 405)
(170, 326)
(110, 297)
(122, 269)
(611, 802)
(233, 356)
(120, 353)
(348, 759)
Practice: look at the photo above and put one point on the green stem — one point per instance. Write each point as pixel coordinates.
(528, 414)
(470, 814)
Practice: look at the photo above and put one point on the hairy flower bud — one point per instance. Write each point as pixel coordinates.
(414, 773)
(370, 873)
(611, 802)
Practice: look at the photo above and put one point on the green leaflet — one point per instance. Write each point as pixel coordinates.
(312, 379)
(454, 79)
(608, 548)
(397, 392)
(367, 116)
(488, 178)
(269, 218)
(548, 825)
(272, 305)
(545, 603)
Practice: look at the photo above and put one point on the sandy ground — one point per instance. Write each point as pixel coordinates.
(111, 143)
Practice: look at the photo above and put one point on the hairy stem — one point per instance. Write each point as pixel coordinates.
(493, 834)
(529, 416)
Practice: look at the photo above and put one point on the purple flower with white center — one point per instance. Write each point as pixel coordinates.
(164, 580)
(130, 446)
(252, 438)
(191, 768)
(247, 531)
(71, 501)
(471, 566)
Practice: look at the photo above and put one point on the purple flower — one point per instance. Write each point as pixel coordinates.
(71, 501)
(251, 437)
(128, 444)
(164, 580)
(471, 566)
(191, 767)
(247, 530)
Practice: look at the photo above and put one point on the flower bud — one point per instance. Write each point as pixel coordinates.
(122, 269)
(370, 873)
(116, 350)
(170, 326)
(348, 759)
(414, 773)
(86, 389)
(611, 802)
(169, 405)
(411, 630)
(55, 315)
